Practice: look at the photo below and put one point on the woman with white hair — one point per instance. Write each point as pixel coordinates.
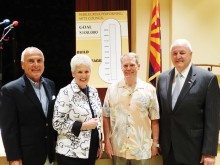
(77, 117)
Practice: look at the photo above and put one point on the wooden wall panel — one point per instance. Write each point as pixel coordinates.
(82, 5)
(102, 5)
(95, 5)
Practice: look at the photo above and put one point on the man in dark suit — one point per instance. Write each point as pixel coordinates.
(188, 131)
(26, 115)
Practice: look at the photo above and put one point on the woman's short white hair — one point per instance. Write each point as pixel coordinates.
(79, 59)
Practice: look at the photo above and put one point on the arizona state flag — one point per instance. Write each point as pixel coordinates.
(155, 44)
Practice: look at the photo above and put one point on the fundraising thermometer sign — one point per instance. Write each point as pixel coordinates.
(103, 35)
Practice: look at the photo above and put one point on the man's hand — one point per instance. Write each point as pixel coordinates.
(154, 151)
(15, 162)
(108, 148)
(208, 160)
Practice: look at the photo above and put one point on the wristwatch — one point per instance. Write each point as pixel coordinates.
(156, 145)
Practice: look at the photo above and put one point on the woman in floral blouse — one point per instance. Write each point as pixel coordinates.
(77, 117)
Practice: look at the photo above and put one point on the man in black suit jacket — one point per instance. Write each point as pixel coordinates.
(189, 131)
(26, 114)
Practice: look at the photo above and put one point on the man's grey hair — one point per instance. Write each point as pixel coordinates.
(29, 50)
(181, 41)
(130, 54)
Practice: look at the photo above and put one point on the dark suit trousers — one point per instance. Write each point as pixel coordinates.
(170, 159)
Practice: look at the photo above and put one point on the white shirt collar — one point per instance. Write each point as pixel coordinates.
(36, 84)
(185, 72)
